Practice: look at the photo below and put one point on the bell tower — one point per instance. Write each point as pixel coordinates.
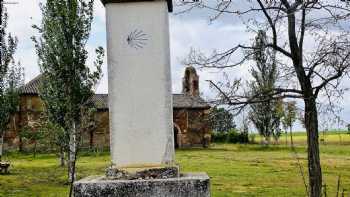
(190, 82)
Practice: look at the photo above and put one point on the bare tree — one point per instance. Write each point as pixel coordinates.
(311, 38)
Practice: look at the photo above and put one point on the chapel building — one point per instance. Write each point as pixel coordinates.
(190, 113)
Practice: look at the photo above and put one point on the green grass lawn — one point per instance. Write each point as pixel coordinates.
(235, 170)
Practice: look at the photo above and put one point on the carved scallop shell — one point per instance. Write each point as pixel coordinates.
(137, 39)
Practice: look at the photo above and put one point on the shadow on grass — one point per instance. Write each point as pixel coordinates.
(93, 153)
(220, 147)
(270, 148)
(196, 149)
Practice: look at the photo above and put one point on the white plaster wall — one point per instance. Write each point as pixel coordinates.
(140, 104)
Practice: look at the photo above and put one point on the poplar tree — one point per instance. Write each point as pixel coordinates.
(264, 115)
(67, 80)
(10, 76)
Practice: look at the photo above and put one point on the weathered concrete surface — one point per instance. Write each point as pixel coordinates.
(152, 173)
(188, 185)
(139, 84)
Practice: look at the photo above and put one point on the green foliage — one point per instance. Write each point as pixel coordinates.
(44, 134)
(233, 136)
(251, 138)
(67, 81)
(32, 137)
(265, 113)
(219, 137)
(290, 114)
(27, 133)
(237, 137)
(221, 120)
(11, 74)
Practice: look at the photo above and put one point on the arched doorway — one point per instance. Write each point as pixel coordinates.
(176, 134)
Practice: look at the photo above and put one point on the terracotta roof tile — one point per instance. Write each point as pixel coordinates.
(186, 101)
(32, 87)
(101, 100)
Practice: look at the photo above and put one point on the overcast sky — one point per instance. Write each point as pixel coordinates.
(186, 31)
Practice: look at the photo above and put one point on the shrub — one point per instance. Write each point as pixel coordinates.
(219, 137)
(252, 138)
(237, 137)
(232, 136)
(243, 138)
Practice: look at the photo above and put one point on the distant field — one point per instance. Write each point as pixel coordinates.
(235, 170)
(299, 138)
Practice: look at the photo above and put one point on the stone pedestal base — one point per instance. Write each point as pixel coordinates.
(187, 185)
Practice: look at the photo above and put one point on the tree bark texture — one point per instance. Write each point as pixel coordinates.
(311, 120)
(1, 146)
(71, 154)
(62, 159)
(291, 136)
(72, 157)
(314, 166)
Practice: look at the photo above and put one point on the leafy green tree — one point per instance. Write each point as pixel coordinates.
(11, 76)
(43, 132)
(279, 113)
(289, 117)
(67, 81)
(32, 136)
(221, 120)
(264, 115)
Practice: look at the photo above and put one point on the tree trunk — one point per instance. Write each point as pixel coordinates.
(1, 146)
(62, 159)
(91, 144)
(314, 165)
(20, 146)
(35, 143)
(72, 157)
(291, 136)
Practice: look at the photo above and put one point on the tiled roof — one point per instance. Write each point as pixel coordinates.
(186, 101)
(101, 100)
(32, 87)
(179, 101)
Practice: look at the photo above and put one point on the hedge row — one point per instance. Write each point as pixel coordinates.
(232, 136)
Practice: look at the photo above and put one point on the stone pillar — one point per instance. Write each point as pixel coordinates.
(140, 101)
(140, 107)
